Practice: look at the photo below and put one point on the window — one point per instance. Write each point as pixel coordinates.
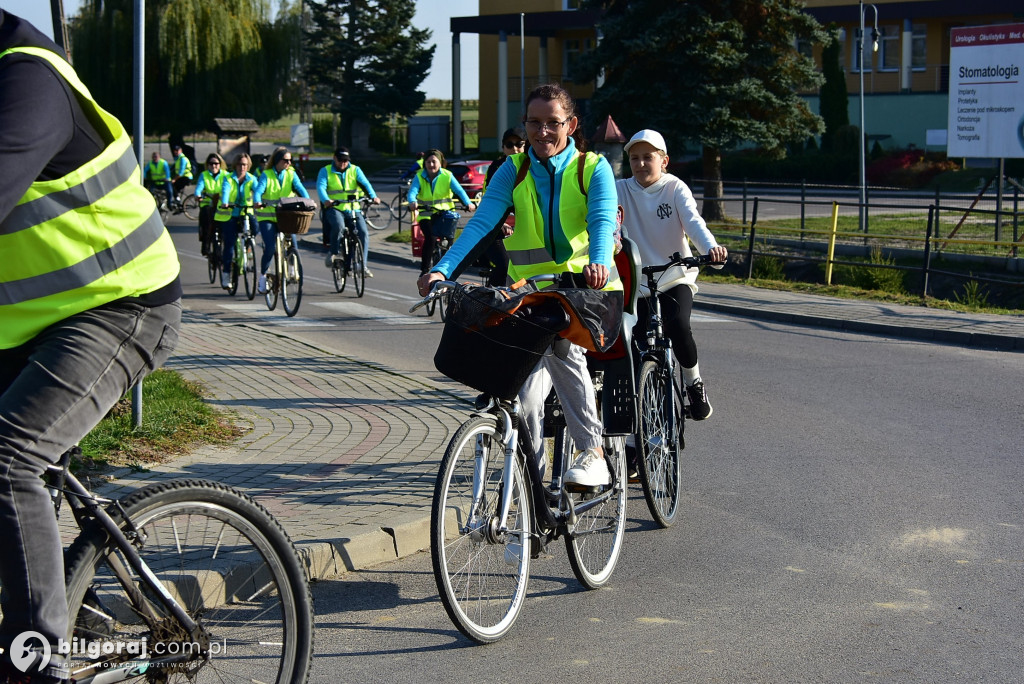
(574, 47)
(889, 53)
(868, 46)
(805, 47)
(918, 50)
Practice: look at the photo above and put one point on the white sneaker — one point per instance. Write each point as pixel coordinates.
(367, 273)
(588, 470)
(225, 279)
(261, 285)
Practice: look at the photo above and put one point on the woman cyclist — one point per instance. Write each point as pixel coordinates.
(565, 205)
(236, 206)
(211, 180)
(435, 185)
(279, 179)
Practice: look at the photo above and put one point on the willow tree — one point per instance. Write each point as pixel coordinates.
(204, 59)
(721, 73)
(365, 60)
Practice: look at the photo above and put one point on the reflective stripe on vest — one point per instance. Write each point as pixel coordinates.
(529, 249)
(440, 195)
(81, 241)
(273, 193)
(247, 191)
(341, 185)
(211, 187)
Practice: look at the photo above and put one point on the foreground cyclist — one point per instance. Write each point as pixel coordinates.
(84, 317)
(660, 215)
(559, 227)
(236, 211)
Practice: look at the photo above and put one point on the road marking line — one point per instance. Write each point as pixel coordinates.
(275, 317)
(365, 312)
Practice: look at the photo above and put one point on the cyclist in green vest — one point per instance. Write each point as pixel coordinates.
(565, 205)
(181, 173)
(339, 185)
(279, 179)
(435, 187)
(211, 181)
(236, 205)
(158, 173)
(90, 302)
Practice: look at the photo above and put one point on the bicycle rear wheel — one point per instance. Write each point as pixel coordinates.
(249, 268)
(233, 287)
(595, 541)
(657, 443)
(291, 284)
(190, 207)
(225, 559)
(358, 267)
(481, 571)
(399, 208)
(378, 216)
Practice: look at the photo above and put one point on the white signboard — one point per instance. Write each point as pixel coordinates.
(986, 92)
(300, 135)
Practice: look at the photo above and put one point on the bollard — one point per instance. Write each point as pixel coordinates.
(832, 243)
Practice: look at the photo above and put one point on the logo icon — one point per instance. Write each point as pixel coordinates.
(664, 211)
(23, 655)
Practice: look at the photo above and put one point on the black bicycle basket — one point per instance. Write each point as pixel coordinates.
(486, 347)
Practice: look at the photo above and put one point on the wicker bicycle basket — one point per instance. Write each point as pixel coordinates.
(294, 222)
(488, 349)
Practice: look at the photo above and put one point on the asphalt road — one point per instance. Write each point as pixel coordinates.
(852, 513)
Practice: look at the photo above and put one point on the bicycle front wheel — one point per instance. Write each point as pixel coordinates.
(190, 207)
(595, 541)
(225, 560)
(291, 283)
(481, 569)
(249, 268)
(658, 457)
(358, 267)
(378, 216)
(213, 261)
(274, 281)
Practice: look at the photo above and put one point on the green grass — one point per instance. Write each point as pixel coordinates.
(174, 418)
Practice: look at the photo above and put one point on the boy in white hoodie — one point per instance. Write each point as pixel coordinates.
(660, 213)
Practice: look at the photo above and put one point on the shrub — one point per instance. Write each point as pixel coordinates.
(768, 268)
(909, 168)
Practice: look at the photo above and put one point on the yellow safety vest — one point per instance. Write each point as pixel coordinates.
(184, 170)
(247, 190)
(155, 172)
(440, 195)
(273, 193)
(84, 240)
(528, 251)
(341, 185)
(211, 187)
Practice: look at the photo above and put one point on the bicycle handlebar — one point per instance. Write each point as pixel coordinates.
(678, 259)
(437, 289)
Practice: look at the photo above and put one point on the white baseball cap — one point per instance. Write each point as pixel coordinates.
(648, 136)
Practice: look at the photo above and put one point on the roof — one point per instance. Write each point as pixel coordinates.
(608, 132)
(235, 125)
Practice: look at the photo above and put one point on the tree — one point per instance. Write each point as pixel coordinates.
(365, 59)
(719, 72)
(204, 59)
(834, 102)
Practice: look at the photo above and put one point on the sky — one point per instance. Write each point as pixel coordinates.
(431, 14)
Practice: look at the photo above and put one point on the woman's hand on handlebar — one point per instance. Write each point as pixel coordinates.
(469, 207)
(426, 281)
(596, 275)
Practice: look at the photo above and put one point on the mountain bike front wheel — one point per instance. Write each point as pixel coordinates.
(224, 559)
(658, 458)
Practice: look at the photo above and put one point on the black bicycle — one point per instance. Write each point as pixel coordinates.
(244, 263)
(214, 252)
(442, 229)
(660, 405)
(185, 580)
(348, 263)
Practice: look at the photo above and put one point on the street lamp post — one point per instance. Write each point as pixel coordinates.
(863, 140)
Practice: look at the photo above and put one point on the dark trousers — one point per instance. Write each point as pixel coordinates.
(676, 307)
(53, 390)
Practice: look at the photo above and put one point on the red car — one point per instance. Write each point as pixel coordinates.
(470, 175)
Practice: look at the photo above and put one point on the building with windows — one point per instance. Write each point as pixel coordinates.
(906, 80)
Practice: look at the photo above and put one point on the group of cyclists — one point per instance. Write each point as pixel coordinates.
(75, 339)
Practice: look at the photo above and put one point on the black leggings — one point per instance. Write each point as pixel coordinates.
(676, 306)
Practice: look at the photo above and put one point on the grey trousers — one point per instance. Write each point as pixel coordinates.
(575, 391)
(53, 391)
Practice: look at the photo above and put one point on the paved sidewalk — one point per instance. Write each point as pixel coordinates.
(344, 452)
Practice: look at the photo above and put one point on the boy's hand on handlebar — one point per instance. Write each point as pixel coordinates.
(719, 255)
(426, 281)
(596, 275)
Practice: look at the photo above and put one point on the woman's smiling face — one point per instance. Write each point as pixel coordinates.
(548, 127)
